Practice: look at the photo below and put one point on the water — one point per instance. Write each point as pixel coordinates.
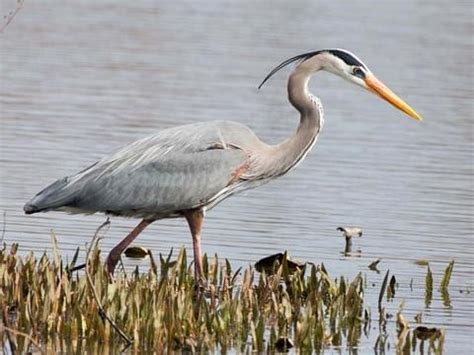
(80, 80)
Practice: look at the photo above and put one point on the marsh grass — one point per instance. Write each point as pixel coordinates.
(47, 308)
(428, 287)
(447, 276)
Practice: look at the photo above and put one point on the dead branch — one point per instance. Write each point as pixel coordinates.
(11, 15)
(27, 336)
(102, 312)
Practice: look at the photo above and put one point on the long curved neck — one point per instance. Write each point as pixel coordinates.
(289, 153)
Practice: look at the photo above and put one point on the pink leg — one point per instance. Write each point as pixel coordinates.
(195, 219)
(114, 254)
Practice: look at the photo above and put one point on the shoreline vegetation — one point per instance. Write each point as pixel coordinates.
(46, 307)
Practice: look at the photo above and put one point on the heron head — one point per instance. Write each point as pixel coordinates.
(346, 65)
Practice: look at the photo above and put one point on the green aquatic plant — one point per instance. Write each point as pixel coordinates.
(428, 287)
(47, 307)
(447, 276)
(383, 289)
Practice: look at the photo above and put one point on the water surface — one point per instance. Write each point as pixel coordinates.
(79, 80)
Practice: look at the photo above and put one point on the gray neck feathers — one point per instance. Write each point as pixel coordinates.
(287, 155)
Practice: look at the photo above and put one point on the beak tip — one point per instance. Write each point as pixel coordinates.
(416, 116)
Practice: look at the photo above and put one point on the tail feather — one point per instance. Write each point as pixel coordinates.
(52, 197)
(29, 208)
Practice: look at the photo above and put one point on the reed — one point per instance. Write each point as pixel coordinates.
(47, 307)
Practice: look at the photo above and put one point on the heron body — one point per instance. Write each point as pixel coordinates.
(177, 169)
(186, 170)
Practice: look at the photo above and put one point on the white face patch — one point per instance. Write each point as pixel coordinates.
(336, 65)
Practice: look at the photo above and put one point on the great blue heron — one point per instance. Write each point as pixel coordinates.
(186, 170)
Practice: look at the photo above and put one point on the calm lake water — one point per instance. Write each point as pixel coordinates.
(80, 79)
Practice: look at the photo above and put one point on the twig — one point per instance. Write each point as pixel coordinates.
(382, 289)
(27, 336)
(6, 324)
(102, 312)
(12, 14)
(123, 266)
(77, 268)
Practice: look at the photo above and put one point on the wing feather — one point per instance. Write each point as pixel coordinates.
(175, 169)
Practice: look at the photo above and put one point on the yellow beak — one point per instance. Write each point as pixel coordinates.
(377, 87)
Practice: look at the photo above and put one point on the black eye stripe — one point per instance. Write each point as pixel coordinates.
(346, 57)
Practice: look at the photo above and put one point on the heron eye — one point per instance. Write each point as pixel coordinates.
(357, 71)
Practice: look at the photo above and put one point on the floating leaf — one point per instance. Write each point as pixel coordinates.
(268, 264)
(424, 333)
(422, 262)
(136, 252)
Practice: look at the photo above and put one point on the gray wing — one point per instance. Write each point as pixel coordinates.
(174, 170)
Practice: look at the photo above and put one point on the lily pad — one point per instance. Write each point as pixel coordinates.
(136, 252)
(424, 333)
(422, 262)
(267, 264)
